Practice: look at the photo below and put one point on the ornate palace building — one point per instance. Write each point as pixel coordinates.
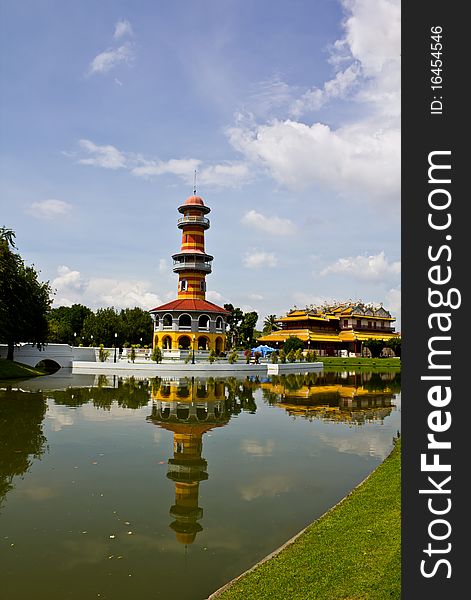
(191, 322)
(332, 328)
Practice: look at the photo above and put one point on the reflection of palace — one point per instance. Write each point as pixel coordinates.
(349, 401)
(189, 408)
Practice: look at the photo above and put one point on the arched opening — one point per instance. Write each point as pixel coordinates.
(184, 321)
(167, 320)
(203, 322)
(167, 343)
(184, 342)
(219, 323)
(156, 320)
(219, 345)
(203, 343)
(48, 365)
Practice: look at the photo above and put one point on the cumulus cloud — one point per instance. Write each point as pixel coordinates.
(358, 159)
(368, 268)
(49, 209)
(107, 60)
(122, 28)
(71, 287)
(258, 259)
(273, 225)
(107, 157)
(355, 159)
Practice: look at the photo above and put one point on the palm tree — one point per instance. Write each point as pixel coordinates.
(269, 324)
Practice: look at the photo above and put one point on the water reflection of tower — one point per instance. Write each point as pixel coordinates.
(189, 408)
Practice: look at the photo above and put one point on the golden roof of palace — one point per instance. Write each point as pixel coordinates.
(338, 311)
(327, 336)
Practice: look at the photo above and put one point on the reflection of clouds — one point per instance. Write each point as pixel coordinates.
(375, 445)
(39, 493)
(268, 486)
(85, 552)
(115, 412)
(59, 415)
(256, 448)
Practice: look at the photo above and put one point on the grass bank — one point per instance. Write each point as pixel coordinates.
(14, 370)
(338, 361)
(353, 552)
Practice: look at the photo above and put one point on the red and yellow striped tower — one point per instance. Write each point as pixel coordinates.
(192, 263)
(191, 322)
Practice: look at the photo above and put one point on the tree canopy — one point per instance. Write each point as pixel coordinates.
(24, 300)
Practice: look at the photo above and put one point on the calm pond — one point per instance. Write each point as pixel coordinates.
(168, 488)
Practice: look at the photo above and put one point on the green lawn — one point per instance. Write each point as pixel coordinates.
(362, 362)
(353, 552)
(13, 370)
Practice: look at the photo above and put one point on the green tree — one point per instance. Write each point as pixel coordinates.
(102, 325)
(103, 354)
(156, 355)
(136, 325)
(132, 354)
(66, 323)
(291, 356)
(269, 324)
(212, 356)
(234, 319)
(374, 346)
(395, 345)
(232, 358)
(246, 329)
(293, 343)
(24, 300)
(282, 356)
(299, 355)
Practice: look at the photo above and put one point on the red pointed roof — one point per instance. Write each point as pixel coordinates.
(191, 304)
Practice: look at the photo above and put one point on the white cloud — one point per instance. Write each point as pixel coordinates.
(107, 60)
(163, 265)
(182, 167)
(215, 297)
(356, 159)
(49, 209)
(257, 260)
(107, 157)
(360, 159)
(274, 225)
(393, 304)
(71, 287)
(335, 88)
(227, 174)
(122, 28)
(256, 297)
(368, 268)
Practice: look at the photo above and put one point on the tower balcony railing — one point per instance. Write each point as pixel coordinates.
(193, 220)
(191, 265)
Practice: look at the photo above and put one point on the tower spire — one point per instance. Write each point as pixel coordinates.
(194, 184)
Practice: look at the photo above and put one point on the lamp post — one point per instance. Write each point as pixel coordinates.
(75, 338)
(193, 354)
(115, 341)
(91, 338)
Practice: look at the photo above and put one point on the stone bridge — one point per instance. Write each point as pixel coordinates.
(53, 355)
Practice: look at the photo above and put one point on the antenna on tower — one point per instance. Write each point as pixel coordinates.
(194, 184)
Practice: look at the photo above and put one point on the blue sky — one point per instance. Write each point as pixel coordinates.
(289, 112)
